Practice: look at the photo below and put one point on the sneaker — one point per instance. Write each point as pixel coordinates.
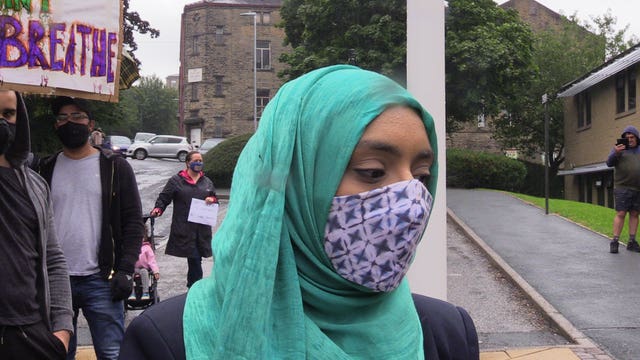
(633, 246)
(132, 297)
(145, 296)
(613, 247)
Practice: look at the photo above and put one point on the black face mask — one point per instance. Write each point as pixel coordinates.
(7, 135)
(73, 135)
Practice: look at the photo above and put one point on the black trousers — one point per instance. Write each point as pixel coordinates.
(33, 341)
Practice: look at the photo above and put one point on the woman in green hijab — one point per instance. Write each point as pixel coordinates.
(329, 200)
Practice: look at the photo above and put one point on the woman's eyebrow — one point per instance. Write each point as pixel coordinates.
(379, 146)
(426, 154)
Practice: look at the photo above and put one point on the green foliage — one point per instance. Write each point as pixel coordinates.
(534, 182)
(322, 32)
(473, 169)
(220, 162)
(488, 58)
(594, 217)
(151, 107)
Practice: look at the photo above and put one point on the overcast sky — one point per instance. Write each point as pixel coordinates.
(160, 56)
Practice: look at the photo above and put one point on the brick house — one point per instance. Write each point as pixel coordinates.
(597, 107)
(216, 80)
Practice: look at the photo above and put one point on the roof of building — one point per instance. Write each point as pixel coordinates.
(587, 169)
(602, 72)
(277, 3)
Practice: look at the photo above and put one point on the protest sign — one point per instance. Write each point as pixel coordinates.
(61, 47)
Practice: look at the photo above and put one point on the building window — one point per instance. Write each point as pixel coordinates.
(620, 93)
(265, 18)
(218, 91)
(263, 55)
(217, 126)
(481, 121)
(219, 33)
(631, 91)
(626, 91)
(194, 92)
(584, 109)
(194, 45)
(262, 99)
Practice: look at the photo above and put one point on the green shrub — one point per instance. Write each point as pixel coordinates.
(473, 169)
(220, 161)
(534, 182)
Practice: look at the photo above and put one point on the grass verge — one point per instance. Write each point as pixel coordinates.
(594, 217)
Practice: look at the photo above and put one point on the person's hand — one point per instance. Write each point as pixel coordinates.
(64, 336)
(156, 275)
(210, 200)
(619, 148)
(156, 212)
(121, 285)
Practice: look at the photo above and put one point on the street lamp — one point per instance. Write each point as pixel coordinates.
(255, 70)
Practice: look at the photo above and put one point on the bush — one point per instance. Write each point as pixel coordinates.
(473, 169)
(220, 161)
(534, 182)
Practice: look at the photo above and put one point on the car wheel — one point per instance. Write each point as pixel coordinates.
(182, 156)
(140, 154)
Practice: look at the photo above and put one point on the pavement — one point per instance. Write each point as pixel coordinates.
(565, 270)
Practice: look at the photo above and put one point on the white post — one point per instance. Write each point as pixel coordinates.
(255, 68)
(426, 81)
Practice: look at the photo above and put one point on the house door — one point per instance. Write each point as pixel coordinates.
(195, 134)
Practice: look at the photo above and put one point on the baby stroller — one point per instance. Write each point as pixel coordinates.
(140, 302)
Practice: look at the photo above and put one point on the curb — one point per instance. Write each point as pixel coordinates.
(564, 325)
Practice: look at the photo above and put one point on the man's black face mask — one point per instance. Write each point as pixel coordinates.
(7, 135)
(73, 135)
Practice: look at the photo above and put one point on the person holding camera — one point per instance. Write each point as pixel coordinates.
(625, 159)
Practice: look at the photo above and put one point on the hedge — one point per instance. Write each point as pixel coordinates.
(473, 169)
(220, 161)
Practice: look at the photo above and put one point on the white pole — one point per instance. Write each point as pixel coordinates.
(255, 73)
(255, 69)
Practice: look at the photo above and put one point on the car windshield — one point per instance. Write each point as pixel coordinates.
(209, 143)
(120, 140)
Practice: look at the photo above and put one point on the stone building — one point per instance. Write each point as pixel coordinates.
(216, 81)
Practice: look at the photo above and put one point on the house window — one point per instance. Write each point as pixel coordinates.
(262, 99)
(620, 93)
(631, 91)
(263, 55)
(626, 91)
(584, 110)
(265, 18)
(217, 127)
(218, 85)
(194, 92)
(481, 121)
(219, 33)
(194, 45)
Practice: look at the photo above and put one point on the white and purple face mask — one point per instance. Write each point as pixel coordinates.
(371, 237)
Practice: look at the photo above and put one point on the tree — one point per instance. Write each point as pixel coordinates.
(133, 23)
(371, 34)
(154, 105)
(488, 59)
(561, 55)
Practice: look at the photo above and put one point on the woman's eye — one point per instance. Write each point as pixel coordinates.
(370, 174)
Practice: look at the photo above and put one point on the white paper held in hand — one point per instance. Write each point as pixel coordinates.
(201, 213)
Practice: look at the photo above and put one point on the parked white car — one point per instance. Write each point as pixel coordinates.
(161, 146)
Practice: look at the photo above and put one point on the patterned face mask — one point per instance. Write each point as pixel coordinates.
(371, 237)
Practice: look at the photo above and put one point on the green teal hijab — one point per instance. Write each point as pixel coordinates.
(273, 293)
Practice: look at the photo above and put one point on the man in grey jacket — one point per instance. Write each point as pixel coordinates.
(35, 307)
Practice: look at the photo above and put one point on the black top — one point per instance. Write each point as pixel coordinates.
(18, 251)
(156, 334)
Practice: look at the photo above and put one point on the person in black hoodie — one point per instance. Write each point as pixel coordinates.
(98, 218)
(35, 306)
